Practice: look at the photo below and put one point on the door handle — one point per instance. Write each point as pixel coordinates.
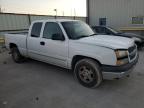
(42, 43)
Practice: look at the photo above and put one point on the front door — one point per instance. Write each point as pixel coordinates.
(53, 51)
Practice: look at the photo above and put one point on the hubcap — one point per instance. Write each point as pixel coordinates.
(86, 74)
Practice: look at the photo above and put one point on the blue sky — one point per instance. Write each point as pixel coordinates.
(45, 7)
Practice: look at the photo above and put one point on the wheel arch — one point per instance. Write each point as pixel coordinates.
(12, 45)
(76, 58)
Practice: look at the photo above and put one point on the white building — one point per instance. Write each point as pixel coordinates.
(126, 14)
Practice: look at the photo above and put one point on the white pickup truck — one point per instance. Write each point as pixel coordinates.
(72, 44)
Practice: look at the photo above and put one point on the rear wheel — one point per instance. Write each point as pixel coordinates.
(16, 56)
(88, 73)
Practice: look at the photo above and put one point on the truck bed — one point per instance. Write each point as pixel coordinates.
(21, 33)
(18, 39)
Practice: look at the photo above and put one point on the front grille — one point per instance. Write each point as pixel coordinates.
(131, 49)
(132, 52)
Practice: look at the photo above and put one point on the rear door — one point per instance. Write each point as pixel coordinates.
(33, 41)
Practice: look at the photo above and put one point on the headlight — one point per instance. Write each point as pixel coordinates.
(121, 53)
(122, 57)
(122, 61)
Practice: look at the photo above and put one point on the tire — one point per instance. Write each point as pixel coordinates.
(88, 73)
(16, 56)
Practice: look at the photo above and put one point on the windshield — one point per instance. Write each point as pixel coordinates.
(77, 29)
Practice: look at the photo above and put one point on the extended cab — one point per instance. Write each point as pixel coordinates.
(73, 45)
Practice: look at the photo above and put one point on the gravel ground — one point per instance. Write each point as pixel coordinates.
(35, 84)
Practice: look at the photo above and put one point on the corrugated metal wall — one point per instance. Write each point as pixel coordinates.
(15, 22)
(119, 13)
(34, 17)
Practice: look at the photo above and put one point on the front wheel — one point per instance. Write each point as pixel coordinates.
(88, 73)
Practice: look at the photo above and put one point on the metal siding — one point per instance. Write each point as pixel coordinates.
(10, 22)
(72, 17)
(38, 17)
(64, 17)
(117, 12)
(81, 18)
(13, 22)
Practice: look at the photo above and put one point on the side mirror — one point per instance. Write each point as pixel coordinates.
(58, 37)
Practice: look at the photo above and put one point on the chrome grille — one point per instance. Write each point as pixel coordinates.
(132, 52)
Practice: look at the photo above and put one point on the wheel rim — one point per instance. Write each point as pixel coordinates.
(86, 74)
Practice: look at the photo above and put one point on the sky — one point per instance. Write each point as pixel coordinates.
(45, 7)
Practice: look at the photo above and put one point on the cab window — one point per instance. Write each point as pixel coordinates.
(36, 29)
(50, 29)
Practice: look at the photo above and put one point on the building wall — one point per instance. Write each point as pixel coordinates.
(10, 22)
(118, 13)
(13, 22)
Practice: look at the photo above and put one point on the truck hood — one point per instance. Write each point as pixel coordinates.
(114, 42)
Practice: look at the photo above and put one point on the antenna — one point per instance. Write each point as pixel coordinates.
(74, 13)
(55, 13)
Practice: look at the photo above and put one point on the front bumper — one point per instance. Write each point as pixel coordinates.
(114, 75)
(116, 72)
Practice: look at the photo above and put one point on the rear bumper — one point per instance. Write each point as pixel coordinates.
(116, 72)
